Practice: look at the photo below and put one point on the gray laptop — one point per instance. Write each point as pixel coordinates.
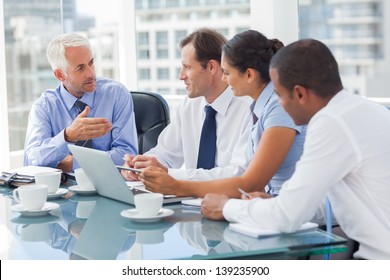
(106, 178)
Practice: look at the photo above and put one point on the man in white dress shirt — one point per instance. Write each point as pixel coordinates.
(178, 143)
(346, 156)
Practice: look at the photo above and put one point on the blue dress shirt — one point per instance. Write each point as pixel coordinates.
(54, 111)
(271, 114)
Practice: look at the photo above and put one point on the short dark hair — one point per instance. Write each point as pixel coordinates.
(308, 63)
(207, 43)
(251, 49)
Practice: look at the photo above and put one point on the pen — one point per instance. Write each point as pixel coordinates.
(244, 193)
(135, 170)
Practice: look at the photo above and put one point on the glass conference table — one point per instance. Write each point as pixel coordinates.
(91, 227)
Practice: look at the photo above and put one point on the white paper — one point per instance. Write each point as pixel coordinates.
(254, 231)
(137, 184)
(33, 170)
(192, 202)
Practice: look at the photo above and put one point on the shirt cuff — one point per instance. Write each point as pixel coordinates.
(231, 209)
(60, 143)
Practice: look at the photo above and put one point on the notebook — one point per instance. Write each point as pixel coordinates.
(256, 231)
(23, 175)
(106, 178)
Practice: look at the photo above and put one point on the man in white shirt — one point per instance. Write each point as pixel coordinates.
(178, 143)
(346, 156)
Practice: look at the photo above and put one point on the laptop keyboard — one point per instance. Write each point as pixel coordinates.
(138, 191)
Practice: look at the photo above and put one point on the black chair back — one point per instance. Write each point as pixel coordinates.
(151, 117)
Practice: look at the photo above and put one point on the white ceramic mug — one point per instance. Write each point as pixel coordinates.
(148, 204)
(32, 197)
(51, 179)
(82, 180)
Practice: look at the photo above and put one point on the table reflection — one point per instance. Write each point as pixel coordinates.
(91, 227)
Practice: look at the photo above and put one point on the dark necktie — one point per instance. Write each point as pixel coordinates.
(208, 140)
(252, 107)
(80, 105)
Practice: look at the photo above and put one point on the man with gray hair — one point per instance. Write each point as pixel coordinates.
(83, 110)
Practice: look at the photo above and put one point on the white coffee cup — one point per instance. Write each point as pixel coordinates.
(51, 179)
(82, 180)
(32, 197)
(148, 204)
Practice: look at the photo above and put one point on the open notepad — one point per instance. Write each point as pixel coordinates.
(256, 231)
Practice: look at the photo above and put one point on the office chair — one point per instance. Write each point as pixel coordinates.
(151, 117)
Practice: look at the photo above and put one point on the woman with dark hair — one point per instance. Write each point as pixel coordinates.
(276, 143)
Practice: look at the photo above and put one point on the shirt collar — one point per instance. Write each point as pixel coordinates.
(338, 96)
(263, 99)
(221, 104)
(70, 99)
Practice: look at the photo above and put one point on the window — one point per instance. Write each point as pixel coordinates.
(162, 44)
(143, 45)
(163, 73)
(192, 3)
(144, 54)
(163, 91)
(178, 69)
(179, 35)
(28, 28)
(143, 38)
(162, 53)
(144, 74)
(154, 4)
(166, 33)
(355, 33)
(173, 3)
(211, 2)
(162, 38)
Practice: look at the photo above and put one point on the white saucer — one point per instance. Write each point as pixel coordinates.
(133, 215)
(79, 191)
(47, 207)
(57, 194)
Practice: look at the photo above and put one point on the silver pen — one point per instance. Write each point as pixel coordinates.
(245, 193)
(135, 170)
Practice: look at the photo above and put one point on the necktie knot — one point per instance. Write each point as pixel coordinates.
(80, 105)
(210, 112)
